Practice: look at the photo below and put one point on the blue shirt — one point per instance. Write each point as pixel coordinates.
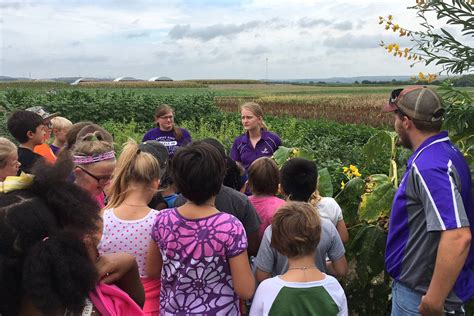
(434, 196)
(242, 150)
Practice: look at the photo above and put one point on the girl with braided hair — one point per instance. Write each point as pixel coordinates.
(46, 236)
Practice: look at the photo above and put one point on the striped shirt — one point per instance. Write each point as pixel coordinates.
(434, 196)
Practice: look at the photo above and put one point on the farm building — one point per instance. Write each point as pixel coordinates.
(160, 79)
(126, 79)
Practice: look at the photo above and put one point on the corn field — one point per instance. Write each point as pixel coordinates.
(352, 109)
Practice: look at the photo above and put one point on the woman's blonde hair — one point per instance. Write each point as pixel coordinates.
(257, 110)
(133, 167)
(164, 109)
(6, 149)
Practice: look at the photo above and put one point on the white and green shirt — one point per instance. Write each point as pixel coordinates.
(278, 297)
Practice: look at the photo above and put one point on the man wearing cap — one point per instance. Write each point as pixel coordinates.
(44, 150)
(429, 253)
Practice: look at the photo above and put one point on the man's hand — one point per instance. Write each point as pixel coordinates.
(430, 307)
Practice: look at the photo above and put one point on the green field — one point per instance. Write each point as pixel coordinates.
(220, 90)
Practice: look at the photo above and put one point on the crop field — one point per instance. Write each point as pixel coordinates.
(354, 104)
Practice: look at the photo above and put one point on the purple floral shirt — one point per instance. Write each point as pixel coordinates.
(196, 277)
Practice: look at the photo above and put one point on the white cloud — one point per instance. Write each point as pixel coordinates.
(204, 39)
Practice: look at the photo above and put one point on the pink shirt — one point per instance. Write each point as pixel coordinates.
(266, 207)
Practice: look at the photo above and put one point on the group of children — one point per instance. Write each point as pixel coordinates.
(201, 252)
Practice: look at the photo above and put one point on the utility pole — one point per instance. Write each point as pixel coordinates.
(266, 69)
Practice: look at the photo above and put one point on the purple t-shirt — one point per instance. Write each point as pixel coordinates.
(243, 151)
(54, 149)
(168, 138)
(196, 277)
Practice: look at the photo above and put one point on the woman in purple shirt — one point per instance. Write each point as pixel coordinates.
(166, 131)
(257, 141)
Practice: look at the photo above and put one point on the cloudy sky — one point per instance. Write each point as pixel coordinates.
(191, 39)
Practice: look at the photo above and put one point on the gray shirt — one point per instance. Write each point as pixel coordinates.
(233, 202)
(271, 261)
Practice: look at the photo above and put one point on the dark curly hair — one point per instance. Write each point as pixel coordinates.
(42, 253)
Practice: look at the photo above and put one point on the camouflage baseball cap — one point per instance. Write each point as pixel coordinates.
(42, 112)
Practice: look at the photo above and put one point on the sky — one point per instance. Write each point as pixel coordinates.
(202, 39)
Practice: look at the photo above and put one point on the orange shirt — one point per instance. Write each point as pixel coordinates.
(45, 151)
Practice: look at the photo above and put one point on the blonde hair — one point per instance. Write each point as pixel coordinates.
(6, 149)
(133, 166)
(92, 144)
(60, 122)
(257, 110)
(315, 198)
(162, 110)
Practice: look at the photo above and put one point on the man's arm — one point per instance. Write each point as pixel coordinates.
(452, 253)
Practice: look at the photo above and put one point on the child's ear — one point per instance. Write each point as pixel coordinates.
(156, 184)
(55, 131)
(30, 134)
(76, 171)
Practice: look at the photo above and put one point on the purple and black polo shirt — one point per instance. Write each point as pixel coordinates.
(434, 196)
(168, 139)
(243, 151)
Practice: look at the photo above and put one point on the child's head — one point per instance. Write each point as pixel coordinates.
(47, 117)
(94, 160)
(296, 229)
(42, 254)
(73, 131)
(264, 177)
(61, 127)
(233, 174)
(159, 151)
(135, 170)
(298, 178)
(198, 170)
(9, 164)
(26, 127)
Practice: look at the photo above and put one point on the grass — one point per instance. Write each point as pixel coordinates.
(248, 89)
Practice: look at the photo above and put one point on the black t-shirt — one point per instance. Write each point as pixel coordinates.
(27, 158)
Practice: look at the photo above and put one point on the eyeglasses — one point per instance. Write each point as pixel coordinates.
(170, 117)
(394, 95)
(102, 180)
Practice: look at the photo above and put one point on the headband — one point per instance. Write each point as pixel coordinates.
(83, 160)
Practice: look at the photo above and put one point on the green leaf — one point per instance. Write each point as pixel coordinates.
(325, 183)
(378, 202)
(368, 248)
(349, 199)
(282, 154)
(380, 142)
